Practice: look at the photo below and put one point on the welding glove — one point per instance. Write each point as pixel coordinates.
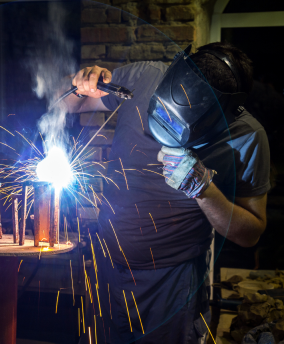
(185, 171)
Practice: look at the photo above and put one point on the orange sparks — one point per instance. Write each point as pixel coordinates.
(152, 258)
(208, 328)
(108, 254)
(137, 312)
(124, 174)
(72, 283)
(94, 258)
(85, 272)
(139, 217)
(78, 228)
(132, 149)
(128, 265)
(83, 314)
(186, 95)
(140, 117)
(97, 287)
(153, 222)
(137, 150)
(109, 301)
(101, 245)
(89, 288)
(102, 136)
(20, 265)
(79, 321)
(108, 203)
(7, 145)
(127, 311)
(6, 129)
(165, 108)
(57, 301)
(90, 335)
(115, 234)
(122, 252)
(95, 321)
(160, 174)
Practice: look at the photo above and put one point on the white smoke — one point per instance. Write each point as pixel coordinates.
(50, 65)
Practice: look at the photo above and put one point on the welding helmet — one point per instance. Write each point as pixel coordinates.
(185, 111)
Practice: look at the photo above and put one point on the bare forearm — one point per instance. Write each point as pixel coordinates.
(231, 220)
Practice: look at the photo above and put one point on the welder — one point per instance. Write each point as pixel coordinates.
(212, 171)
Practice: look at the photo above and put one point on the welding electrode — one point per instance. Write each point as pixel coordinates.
(119, 91)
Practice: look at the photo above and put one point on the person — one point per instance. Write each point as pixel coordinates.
(152, 266)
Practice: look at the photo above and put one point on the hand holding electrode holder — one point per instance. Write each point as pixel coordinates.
(119, 91)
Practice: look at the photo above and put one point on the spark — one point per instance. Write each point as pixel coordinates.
(153, 222)
(141, 152)
(89, 288)
(124, 174)
(108, 253)
(109, 301)
(85, 274)
(79, 320)
(103, 136)
(101, 245)
(83, 314)
(120, 248)
(94, 258)
(139, 218)
(108, 203)
(78, 228)
(160, 174)
(7, 131)
(95, 321)
(165, 108)
(7, 145)
(98, 297)
(140, 117)
(152, 257)
(138, 312)
(127, 311)
(186, 95)
(20, 265)
(90, 335)
(208, 328)
(72, 284)
(57, 301)
(132, 149)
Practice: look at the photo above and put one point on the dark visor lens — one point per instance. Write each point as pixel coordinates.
(169, 119)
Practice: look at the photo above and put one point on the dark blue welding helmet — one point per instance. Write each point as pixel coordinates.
(185, 111)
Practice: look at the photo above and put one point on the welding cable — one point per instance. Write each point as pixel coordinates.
(20, 293)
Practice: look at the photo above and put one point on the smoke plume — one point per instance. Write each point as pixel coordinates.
(50, 65)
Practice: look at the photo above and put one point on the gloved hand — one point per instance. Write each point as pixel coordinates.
(184, 171)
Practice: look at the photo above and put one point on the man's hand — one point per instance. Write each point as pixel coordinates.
(184, 171)
(86, 80)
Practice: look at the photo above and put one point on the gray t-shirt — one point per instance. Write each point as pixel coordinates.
(146, 222)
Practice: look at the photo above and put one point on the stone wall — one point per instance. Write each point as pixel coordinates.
(118, 32)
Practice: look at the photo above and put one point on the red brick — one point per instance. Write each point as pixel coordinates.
(179, 13)
(107, 35)
(92, 119)
(94, 15)
(113, 15)
(90, 213)
(148, 33)
(93, 51)
(96, 155)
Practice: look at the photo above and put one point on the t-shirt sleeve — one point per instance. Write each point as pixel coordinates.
(125, 76)
(253, 166)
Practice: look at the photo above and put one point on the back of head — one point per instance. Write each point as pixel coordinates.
(218, 74)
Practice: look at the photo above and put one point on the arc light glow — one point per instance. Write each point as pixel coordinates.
(55, 169)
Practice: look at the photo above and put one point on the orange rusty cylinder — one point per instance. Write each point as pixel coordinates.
(22, 229)
(46, 213)
(41, 212)
(15, 217)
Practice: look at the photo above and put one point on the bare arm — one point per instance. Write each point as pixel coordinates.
(86, 80)
(242, 222)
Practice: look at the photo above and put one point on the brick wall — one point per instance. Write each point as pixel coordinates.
(118, 32)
